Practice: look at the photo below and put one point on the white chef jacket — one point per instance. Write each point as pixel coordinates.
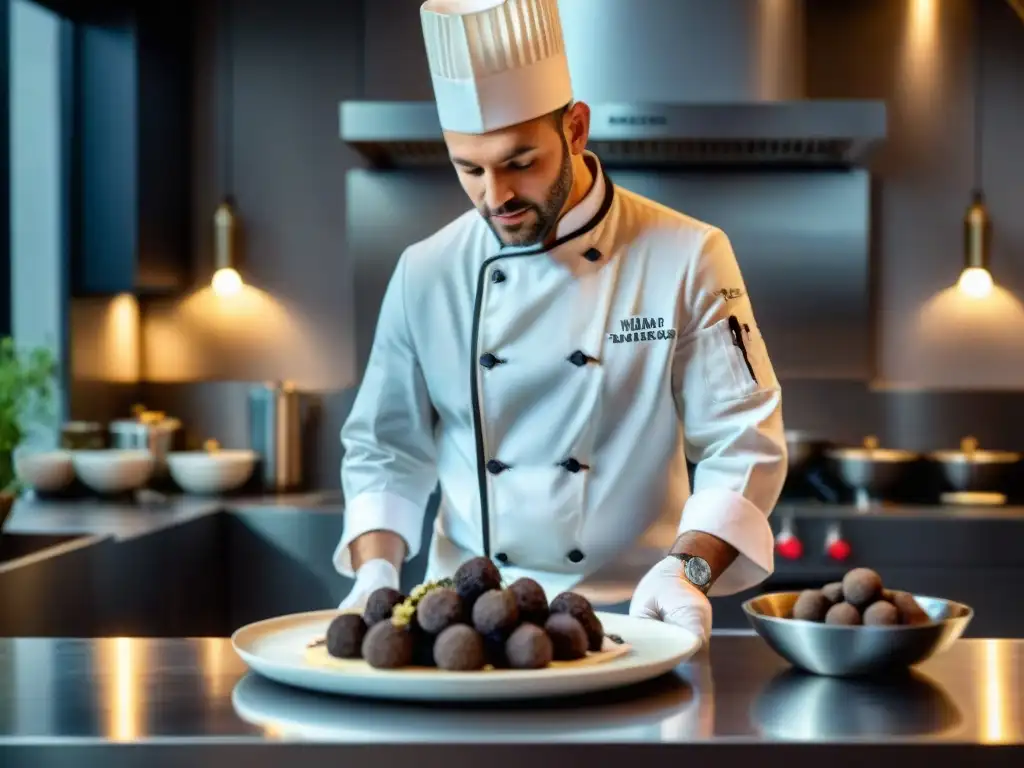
(554, 392)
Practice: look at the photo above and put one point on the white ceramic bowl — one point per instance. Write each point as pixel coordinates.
(113, 471)
(45, 471)
(211, 472)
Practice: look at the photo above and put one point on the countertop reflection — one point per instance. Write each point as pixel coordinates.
(121, 690)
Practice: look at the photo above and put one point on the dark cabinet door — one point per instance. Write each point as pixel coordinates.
(131, 81)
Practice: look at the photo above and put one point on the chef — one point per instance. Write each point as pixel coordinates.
(553, 356)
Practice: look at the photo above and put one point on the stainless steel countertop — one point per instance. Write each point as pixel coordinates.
(185, 697)
(153, 512)
(149, 513)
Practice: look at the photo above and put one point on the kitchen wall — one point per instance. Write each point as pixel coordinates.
(922, 62)
(295, 61)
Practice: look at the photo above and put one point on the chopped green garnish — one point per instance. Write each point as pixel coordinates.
(403, 613)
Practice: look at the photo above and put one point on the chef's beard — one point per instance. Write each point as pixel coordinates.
(537, 230)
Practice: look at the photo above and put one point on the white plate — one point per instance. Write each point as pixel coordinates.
(275, 648)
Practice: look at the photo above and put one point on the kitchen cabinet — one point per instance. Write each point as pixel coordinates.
(130, 150)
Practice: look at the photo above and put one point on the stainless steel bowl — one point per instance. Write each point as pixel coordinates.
(826, 649)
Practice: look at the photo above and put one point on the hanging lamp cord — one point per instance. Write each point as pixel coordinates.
(979, 57)
(227, 100)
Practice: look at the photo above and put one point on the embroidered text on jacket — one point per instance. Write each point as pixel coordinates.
(634, 329)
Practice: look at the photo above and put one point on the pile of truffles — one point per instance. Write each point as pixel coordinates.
(467, 623)
(859, 599)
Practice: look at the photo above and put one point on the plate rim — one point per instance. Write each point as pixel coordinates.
(473, 685)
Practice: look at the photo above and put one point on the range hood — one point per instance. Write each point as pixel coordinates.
(684, 83)
(797, 133)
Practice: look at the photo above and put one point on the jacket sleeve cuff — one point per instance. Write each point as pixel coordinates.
(380, 511)
(732, 518)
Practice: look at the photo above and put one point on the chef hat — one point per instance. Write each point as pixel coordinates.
(495, 63)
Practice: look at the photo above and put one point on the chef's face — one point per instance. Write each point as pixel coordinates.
(519, 178)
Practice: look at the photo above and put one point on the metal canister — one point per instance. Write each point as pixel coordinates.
(275, 434)
(151, 431)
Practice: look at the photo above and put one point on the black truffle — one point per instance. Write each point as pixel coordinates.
(812, 605)
(473, 578)
(580, 609)
(494, 650)
(387, 646)
(531, 601)
(423, 648)
(529, 647)
(843, 614)
(833, 592)
(861, 587)
(881, 613)
(380, 604)
(571, 603)
(909, 610)
(460, 648)
(496, 614)
(568, 639)
(439, 610)
(345, 636)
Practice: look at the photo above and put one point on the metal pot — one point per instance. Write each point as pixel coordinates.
(804, 449)
(805, 476)
(870, 471)
(149, 430)
(973, 469)
(83, 436)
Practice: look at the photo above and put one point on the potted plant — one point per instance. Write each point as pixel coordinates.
(27, 382)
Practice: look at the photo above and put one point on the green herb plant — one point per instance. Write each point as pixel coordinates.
(28, 380)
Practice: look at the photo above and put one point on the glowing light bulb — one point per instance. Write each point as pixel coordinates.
(975, 282)
(226, 282)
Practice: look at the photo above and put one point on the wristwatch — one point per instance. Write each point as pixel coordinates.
(696, 570)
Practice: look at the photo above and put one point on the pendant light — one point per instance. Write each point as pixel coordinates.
(226, 280)
(976, 280)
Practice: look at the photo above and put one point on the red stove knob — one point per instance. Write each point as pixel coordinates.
(839, 549)
(789, 547)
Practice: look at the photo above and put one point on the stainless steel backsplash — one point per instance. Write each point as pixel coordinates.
(842, 411)
(802, 240)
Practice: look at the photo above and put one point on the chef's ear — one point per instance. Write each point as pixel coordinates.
(576, 126)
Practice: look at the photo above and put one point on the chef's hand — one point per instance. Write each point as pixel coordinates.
(664, 593)
(371, 576)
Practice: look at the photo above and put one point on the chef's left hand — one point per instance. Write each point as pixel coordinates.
(665, 593)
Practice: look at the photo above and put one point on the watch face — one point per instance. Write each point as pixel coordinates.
(698, 571)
